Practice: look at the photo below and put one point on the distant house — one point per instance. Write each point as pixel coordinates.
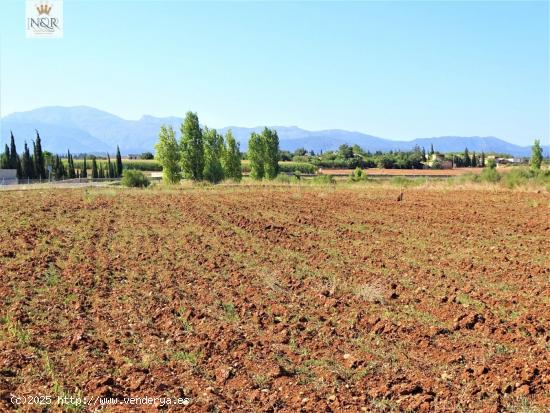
(505, 161)
(438, 161)
(8, 177)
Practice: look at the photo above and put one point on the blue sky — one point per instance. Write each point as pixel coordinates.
(398, 70)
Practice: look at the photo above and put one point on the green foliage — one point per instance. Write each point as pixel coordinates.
(168, 155)
(84, 168)
(536, 155)
(256, 151)
(491, 163)
(287, 179)
(134, 179)
(38, 158)
(192, 147)
(271, 153)
(231, 158)
(489, 175)
(95, 172)
(146, 156)
(118, 162)
(213, 151)
(358, 175)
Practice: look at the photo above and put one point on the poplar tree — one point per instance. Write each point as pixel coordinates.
(192, 147)
(271, 154)
(213, 151)
(118, 163)
(256, 151)
(231, 159)
(536, 155)
(168, 155)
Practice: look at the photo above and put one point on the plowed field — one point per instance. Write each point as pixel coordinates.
(277, 300)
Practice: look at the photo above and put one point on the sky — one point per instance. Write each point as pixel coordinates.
(398, 70)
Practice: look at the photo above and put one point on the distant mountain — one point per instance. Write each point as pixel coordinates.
(85, 129)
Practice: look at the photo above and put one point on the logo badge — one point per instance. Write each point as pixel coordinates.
(44, 19)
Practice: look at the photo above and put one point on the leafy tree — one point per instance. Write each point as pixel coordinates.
(168, 155)
(231, 159)
(118, 163)
(39, 163)
(345, 151)
(536, 155)
(256, 155)
(147, 156)
(213, 151)
(192, 147)
(95, 172)
(271, 154)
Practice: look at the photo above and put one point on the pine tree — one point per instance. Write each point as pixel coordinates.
(94, 168)
(13, 153)
(213, 150)
(256, 151)
(192, 147)
(231, 159)
(39, 162)
(118, 163)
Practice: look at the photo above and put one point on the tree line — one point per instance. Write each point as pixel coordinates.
(43, 165)
(204, 154)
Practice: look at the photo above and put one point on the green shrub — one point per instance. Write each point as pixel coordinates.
(489, 175)
(358, 175)
(287, 179)
(134, 179)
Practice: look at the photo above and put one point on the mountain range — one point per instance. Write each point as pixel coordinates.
(84, 129)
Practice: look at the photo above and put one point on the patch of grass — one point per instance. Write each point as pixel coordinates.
(190, 357)
(230, 312)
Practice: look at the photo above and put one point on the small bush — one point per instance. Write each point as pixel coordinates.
(358, 175)
(287, 179)
(489, 175)
(134, 179)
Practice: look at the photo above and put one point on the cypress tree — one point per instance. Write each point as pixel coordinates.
(482, 164)
(39, 163)
(5, 161)
(101, 173)
(13, 153)
(118, 162)
(94, 168)
(467, 160)
(70, 166)
(84, 171)
(474, 160)
(27, 166)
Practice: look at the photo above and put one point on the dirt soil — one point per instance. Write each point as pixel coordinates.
(268, 300)
(407, 172)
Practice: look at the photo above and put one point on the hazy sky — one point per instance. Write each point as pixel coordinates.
(391, 69)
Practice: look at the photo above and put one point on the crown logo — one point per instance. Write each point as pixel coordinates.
(44, 9)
